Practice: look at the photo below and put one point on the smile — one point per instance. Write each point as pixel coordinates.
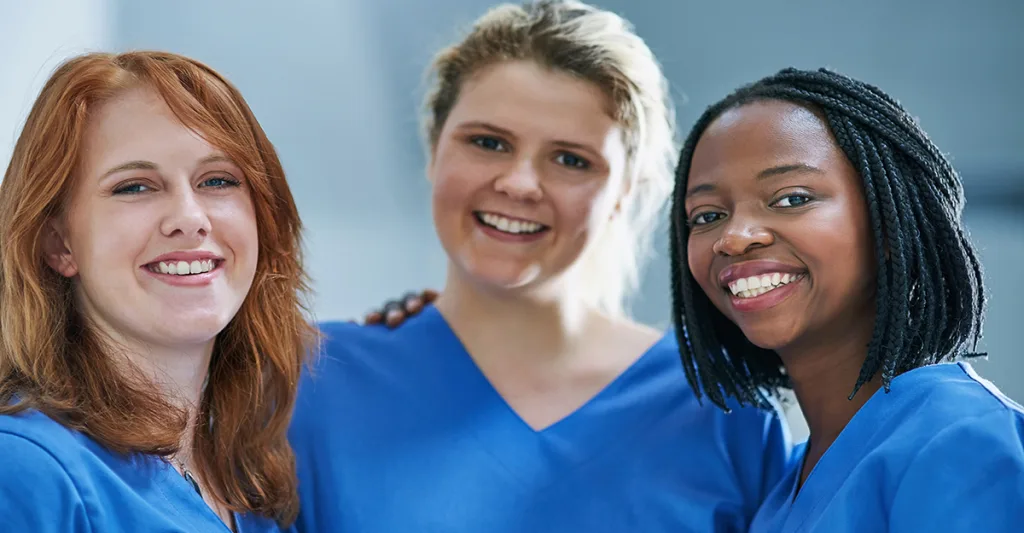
(509, 225)
(754, 286)
(183, 268)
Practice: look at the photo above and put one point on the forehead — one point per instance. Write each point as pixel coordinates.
(760, 135)
(526, 97)
(138, 125)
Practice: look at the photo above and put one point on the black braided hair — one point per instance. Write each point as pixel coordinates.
(930, 299)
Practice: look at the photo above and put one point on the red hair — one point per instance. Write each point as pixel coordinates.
(51, 361)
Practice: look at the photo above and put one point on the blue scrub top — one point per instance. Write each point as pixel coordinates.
(943, 451)
(398, 430)
(57, 480)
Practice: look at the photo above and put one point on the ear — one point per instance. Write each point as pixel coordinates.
(627, 186)
(57, 249)
(431, 157)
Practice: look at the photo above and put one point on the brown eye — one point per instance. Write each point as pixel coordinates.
(489, 143)
(792, 200)
(705, 218)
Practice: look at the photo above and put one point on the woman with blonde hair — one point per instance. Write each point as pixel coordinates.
(151, 313)
(525, 399)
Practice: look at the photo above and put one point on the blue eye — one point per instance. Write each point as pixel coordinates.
(706, 218)
(220, 182)
(131, 188)
(792, 200)
(489, 143)
(572, 160)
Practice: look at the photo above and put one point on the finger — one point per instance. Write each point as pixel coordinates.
(413, 305)
(373, 317)
(429, 295)
(392, 305)
(395, 318)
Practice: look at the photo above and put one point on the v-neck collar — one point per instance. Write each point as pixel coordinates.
(846, 452)
(616, 412)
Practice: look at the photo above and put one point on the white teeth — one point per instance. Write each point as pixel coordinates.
(757, 285)
(508, 225)
(183, 268)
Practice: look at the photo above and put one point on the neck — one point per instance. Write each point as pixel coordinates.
(527, 324)
(823, 375)
(178, 372)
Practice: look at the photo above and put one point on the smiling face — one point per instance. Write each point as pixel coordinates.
(160, 233)
(780, 236)
(527, 171)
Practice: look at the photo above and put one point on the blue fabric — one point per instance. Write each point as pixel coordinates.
(943, 451)
(398, 430)
(56, 480)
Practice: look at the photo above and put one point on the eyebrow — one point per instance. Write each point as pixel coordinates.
(131, 165)
(149, 165)
(486, 126)
(767, 173)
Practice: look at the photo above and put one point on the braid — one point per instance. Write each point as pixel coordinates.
(930, 294)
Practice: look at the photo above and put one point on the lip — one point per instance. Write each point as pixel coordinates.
(767, 300)
(192, 280)
(185, 255)
(747, 269)
(512, 238)
(510, 217)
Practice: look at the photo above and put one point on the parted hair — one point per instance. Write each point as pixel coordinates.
(53, 361)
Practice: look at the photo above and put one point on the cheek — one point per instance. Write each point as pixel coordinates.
(581, 208)
(699, 256)
(105, 239)
(453, 185)
(235, 220)
(839, 246)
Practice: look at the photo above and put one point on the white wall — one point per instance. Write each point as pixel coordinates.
(35, 37)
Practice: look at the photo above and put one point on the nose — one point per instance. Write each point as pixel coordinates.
(186, 216)
(742, 234)
(520, 182)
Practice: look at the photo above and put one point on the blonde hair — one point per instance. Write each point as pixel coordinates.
(600, 47)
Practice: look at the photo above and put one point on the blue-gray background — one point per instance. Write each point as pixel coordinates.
(337, 83)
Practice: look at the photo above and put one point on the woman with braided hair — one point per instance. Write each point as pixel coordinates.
(817, 244)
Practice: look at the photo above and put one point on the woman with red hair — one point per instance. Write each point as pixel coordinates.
(152, 324)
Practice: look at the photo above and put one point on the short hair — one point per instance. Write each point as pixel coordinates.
(930, 293)
(52, 361)
(600, 47)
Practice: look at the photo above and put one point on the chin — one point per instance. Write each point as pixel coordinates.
(767, 335)
(502, 274)
(196, 330)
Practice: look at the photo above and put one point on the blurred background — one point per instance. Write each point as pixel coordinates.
(337, 86)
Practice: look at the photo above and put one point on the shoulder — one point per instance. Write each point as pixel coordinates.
(357, 365)
(937, 398)
(968, 476)
(344, 339)
(972, 421)
(743, 422)
(38, 491)
(32, 426)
